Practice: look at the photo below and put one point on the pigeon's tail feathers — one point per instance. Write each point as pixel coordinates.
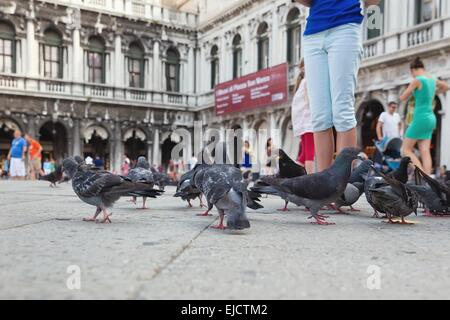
(265, 189)
(153, 193)
(252, 200)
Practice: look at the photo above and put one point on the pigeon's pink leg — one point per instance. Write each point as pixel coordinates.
(322, 217)
(133, 200)
(285, 209)
(106, 217)
(354, 210)
(307, 210)
(143, 203)
(94, 218)
(202, 205)
(189, 204)
(220, 226)
(205, 214)
(338, 210)
(322, 222)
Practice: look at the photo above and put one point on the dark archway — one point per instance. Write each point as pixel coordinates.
(53, 138)
(7, 128)
(368, 115)
(135, 144)
(166, 152)
(97, 145)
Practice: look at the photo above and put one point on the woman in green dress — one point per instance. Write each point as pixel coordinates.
(424, 88)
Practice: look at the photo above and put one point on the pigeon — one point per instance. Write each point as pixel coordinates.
(141, 173)
(102, 189)
(224, 188)
(54, 177)
(264, 186)
(359, 174)
(319, 189)
(401, 174)
(393, 198)
(435, 195)
(288, 168)
(188, 192)
(350, 196)
(161, 179)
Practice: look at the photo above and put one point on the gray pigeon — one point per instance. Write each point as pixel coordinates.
(224, 188)
(393, 198)
(350, 196)
(161, 179)
(102, 189)
(264, 186)
(141, 173)
(435, 195)
(188, 192)
(320, 189)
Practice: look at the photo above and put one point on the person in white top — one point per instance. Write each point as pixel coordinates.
(389, 124)
(301, 121)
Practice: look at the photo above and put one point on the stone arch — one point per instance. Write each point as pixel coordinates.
(135, 143)
(367, 116)
(54, 138)
(7, 127)
(96, 142)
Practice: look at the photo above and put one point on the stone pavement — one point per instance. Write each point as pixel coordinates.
(168, 252)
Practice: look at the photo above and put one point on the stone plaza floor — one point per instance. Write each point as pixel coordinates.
(167, 252)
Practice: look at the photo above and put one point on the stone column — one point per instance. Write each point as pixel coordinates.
(156, 147)
(274, 44)
(118, 69)
(32, 49)
(77, 61)
(157, 76)
(191, 72)
(76, 138)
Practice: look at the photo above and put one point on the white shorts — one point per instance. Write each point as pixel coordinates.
(17, 167)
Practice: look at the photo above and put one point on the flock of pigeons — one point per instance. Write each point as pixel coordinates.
(224, 187)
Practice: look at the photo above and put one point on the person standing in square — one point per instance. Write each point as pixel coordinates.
(333, 51)
(16, 157)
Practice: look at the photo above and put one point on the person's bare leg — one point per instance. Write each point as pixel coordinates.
(309, 166)
(425, 155)
(324, 142)
(346, 139)
(408, 151)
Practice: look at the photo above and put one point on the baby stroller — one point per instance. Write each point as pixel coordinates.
(388, 153)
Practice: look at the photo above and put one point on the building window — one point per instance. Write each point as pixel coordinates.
(376, 32)
(237, 57)
(293, 37)
(136, 64)
(7, 48)
(214, 66)
(52, 55)
(424, 11)
(96, 60)
(173, 71)
(263, 46)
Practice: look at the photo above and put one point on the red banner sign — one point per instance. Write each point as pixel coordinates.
(264, 88)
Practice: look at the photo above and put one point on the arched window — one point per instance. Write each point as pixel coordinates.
(263, 46)
(293, 36)
(96, 60)
(51, 54)
(136, 64)
(7, 48)
(237, 56)
(173, 70)
(214, 66)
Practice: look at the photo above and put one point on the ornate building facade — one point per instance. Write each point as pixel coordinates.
(108, 77)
